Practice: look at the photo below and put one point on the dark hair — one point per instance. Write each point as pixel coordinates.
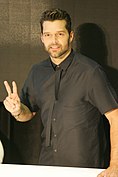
(56, 14)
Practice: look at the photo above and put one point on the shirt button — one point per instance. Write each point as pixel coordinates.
(55, 135)
(54, 119)
(55, 150)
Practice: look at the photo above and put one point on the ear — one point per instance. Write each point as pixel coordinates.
(42, 38)
(71, 36)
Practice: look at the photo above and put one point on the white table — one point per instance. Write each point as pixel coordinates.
(8, 170)
(1, 152)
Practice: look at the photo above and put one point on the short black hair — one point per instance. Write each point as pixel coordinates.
(56, 14)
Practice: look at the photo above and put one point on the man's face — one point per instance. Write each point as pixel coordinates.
(56, 39)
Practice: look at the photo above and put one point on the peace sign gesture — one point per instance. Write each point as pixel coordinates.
(12, 102)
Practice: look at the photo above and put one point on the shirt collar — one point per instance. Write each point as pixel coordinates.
(66, 63)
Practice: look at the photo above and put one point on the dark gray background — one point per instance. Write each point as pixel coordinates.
(20, 45)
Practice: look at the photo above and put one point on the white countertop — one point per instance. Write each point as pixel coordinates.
(8, 170)
(1, 152)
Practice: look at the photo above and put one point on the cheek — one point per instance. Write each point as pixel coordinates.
(63, 42)
(45, 43)
(66, 43)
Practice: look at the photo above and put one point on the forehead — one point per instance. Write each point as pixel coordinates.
(52, 26)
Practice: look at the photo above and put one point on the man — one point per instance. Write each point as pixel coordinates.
(71, 92)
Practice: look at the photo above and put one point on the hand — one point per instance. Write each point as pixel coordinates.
(12, 102)
(109, 172)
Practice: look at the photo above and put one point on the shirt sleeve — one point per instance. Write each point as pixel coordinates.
(27, 94)
(100, 92)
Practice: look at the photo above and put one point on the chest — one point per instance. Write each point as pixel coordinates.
(72, 87)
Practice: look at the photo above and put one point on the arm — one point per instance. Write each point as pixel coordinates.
(112, 170)
(113, 120)
(13, 104)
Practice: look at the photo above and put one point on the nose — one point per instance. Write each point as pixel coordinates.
(54, 39)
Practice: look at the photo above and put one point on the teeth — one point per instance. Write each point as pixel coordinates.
(54, 47)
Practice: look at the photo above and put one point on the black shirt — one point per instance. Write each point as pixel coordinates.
(73, 133)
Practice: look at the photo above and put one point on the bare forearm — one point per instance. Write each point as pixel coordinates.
(113, 120)
(112, 170)
(24, 114)
(114, 145)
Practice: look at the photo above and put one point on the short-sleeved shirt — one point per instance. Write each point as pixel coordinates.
(73, 133)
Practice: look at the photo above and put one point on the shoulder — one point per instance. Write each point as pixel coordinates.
(44, 63)
(39, 69)
(85, 64)
(85, 61)
(89, 68)
(41, 66)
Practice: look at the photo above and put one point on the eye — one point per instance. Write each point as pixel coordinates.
(47, 35)
(60, 34)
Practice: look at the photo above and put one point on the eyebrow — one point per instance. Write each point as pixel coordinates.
(56, 32)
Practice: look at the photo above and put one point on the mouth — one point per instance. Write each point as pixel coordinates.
(55, 47)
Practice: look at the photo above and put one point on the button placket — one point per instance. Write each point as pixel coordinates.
(54, 128)
(54, 136)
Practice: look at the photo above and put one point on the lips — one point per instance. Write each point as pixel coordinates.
(54, 47)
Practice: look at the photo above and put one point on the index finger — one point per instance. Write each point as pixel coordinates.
(8, 88)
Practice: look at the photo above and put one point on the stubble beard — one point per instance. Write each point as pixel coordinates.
(57, 54)
(60, 53)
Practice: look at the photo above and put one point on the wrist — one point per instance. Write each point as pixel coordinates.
(114, 163)
(17, 115)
